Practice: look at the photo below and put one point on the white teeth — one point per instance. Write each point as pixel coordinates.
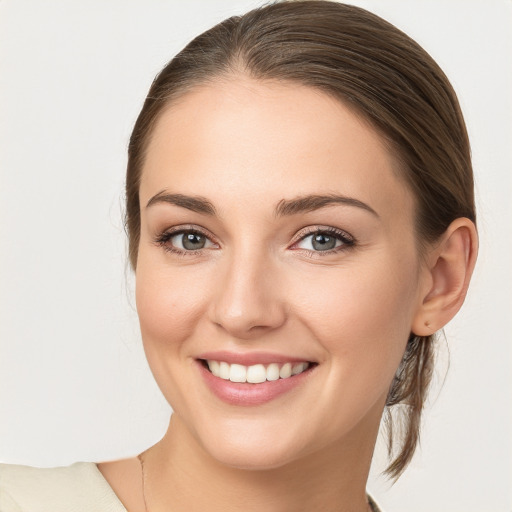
(273, 371)
(214, 368)
(224, 371)
(298, 368)
(237, 373)
(286, 371)
(256, 373)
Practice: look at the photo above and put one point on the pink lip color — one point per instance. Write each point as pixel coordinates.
(249, 358)
(245, 394)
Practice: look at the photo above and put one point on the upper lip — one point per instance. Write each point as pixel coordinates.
(250, 358)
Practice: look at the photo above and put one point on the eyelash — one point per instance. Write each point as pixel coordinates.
(347, 240)
(163, 240)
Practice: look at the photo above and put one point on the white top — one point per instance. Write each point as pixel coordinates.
(77, 488)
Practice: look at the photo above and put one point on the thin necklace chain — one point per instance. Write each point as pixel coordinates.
(143, 480)
(141, 459)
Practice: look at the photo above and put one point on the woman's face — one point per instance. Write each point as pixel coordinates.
(275, 231)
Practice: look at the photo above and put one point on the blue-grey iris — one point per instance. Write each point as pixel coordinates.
(193, 241)
(323, 242)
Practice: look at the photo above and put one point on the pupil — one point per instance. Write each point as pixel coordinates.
(323, 242)
(193, 241)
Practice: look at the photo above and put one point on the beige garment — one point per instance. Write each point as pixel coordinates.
(76, 488)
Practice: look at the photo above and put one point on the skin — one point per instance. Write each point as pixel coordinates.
(260, 285)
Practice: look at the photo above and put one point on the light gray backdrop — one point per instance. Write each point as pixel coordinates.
(74, 384)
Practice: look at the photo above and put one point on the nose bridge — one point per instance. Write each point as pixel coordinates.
(248, 298)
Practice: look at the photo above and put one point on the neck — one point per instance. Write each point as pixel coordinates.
(180, 475)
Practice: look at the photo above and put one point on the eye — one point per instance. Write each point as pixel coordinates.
(184, 241)
(190, 241)
(325, 240)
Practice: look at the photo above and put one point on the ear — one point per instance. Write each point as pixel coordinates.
(450, 265)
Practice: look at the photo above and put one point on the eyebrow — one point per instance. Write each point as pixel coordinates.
(285, 207)
(195, 203)
(315, 202)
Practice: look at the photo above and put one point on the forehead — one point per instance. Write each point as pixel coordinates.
(267, 141)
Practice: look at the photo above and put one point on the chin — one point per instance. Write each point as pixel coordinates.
(252, 458)
(252, 445)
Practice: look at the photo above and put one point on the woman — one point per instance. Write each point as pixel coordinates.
(301, 223)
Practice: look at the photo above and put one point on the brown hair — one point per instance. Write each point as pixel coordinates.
(388, 79)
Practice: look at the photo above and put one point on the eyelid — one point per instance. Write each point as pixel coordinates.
(311, 230)
(163, 237)
(348, 241)
(188, 228)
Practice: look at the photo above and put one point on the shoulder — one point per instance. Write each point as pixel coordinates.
(79, 487)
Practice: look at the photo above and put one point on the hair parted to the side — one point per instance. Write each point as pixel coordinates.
(388, 79)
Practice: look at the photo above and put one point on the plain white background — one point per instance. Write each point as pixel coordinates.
(74, 384)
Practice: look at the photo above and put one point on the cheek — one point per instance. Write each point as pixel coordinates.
(169, 302)
(362, 319)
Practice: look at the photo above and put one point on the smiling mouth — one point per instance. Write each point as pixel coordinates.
(257, 373)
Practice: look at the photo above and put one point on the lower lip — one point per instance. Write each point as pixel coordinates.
(245, 393)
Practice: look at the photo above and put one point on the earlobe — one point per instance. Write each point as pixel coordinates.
(450, 266)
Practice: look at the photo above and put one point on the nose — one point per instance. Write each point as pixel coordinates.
(248, 301)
